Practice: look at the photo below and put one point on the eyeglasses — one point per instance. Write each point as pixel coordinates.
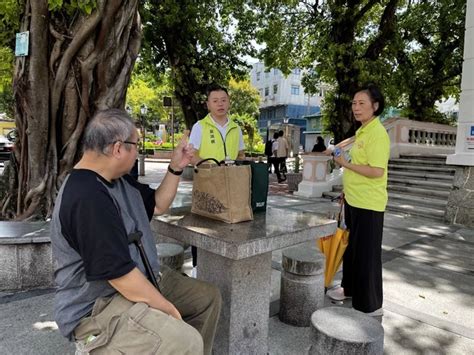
(128, 142)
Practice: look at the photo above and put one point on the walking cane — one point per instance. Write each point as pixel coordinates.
(136, 238)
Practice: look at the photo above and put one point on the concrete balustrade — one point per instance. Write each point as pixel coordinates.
(415, 137)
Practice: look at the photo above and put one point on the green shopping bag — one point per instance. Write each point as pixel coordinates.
(259, 187)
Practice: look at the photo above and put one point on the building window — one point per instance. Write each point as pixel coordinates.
(321, 92)
(296, 71)
(267, 74)
(276, 72)
(267, 91)
(261, 92)
(275, 89)
(295, 89)
(258, 76)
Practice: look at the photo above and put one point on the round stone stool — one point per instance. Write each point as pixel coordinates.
(302, 284)
(171, 255)
(338, 330)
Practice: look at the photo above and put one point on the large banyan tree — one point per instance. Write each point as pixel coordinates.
(81, 54)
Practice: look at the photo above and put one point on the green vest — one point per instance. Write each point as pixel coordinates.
(213, 145)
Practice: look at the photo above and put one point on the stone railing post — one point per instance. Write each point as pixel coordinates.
(314, 176)
(460, 208)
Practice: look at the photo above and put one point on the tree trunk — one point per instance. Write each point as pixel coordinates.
(77, 64)
(342, 123)
(193, 109)
(347, 72)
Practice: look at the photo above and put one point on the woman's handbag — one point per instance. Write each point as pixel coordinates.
(222, 191)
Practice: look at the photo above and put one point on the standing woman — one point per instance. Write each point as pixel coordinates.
(365, 195)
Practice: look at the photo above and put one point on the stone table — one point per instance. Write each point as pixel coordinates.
(237, 258)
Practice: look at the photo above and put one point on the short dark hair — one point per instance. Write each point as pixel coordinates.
(375, 95)
(280, 133)
(215, 87)
(275, 135)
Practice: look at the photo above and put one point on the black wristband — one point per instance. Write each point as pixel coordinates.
(174, 172)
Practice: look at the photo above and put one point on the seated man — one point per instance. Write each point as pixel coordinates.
(104, 300)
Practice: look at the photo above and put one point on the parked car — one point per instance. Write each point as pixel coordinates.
(6, 148)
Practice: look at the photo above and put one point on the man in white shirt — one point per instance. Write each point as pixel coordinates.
(216, 135)
(276, 161)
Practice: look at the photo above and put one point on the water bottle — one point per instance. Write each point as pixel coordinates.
(338, 152)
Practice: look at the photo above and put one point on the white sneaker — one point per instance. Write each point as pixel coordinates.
(376, 313)
(337, 294)
(194, 272)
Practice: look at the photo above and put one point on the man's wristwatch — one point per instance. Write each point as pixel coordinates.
(174, 172)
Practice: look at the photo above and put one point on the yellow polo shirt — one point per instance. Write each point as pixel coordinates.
(371, 147)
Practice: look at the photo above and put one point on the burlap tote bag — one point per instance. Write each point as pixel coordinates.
(222, 192)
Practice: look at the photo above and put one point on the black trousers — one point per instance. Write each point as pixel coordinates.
(276, 162)
(269, 161)
(362, 261)
(283, 168)
(194, 253)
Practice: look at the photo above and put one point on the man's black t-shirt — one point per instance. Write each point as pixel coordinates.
(101, 239)
(89, 233)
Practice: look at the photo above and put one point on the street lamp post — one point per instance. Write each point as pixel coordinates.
(134, 171)
(168, 102)
(143, 111)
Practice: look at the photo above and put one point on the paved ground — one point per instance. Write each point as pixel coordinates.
(428, 271)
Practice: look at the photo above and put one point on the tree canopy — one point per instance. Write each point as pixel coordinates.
(148, 89)
(82, 54)
(201, 42)
(9, 24)
(245, 100)
(429, 56)
(345, 43)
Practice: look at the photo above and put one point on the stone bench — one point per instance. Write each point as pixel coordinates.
(338, 330)
(25, 256)
(302, 284)
(171, 255)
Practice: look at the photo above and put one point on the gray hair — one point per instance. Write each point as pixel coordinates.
(107, 127)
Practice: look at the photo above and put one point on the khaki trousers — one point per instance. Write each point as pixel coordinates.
(118, 326)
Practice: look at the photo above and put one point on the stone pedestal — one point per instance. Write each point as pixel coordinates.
(245, 288)
(314, 176)
(460, 207)
(302, 284)
(293, 180)
(171, 255)
(338, 330)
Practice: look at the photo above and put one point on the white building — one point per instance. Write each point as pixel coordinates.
(283, 98)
